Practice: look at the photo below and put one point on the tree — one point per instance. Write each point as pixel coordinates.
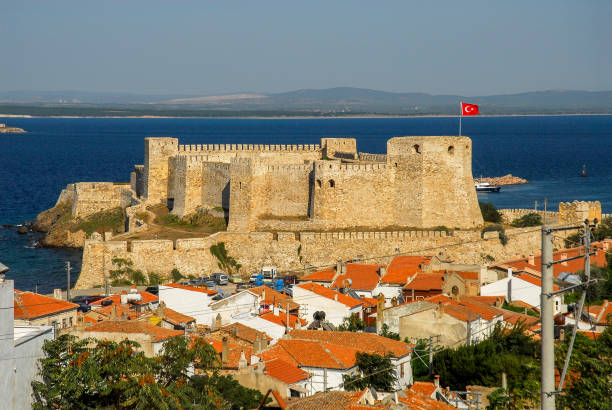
(83, 374)
(503, 238)
(176, 275)
(352, 323)
(489, 212)
(238, 396)
(376, 371)
(530, 219)
(385, 332)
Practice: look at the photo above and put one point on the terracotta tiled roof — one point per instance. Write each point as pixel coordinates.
(320, 276)
(573, 266)
(418, 401)
(311, 353)
(274, 297)
(362, 342)
(515, 317)
(465, 311)
(176, 318)
(130, 326)
(424, 388)
(533, 280)
(107, 311)
(243, 332)
(465, 275)
(362, 276)
(192, 288)
(488, 300)
(116, 299)
(30, 305)
(285, 372)
(601, 312)
(402, 267)
(332, 400)
(367, 302)
(331, 294)
(235, 351)
(590, 334)
(281, 319)
(426, 281)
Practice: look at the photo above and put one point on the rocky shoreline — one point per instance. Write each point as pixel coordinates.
(505, 180)
(11, 130)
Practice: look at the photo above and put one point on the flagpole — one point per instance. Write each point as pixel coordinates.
(460, 115)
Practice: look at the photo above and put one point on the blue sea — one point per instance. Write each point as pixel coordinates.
(549, 151)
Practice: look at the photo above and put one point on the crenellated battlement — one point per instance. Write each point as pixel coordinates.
(289, 167)
(365, 156)
(202, 148)
(310, 236)
(323, 166)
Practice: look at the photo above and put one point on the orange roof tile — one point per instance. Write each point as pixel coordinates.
(602, 312)
(30, 305)
(311, 353)
(466, 275)
(425, 388)
(332, 400)
(281, 319)
(320, 276)
(192, 288)
(402, 267)
(243, 332)
(426, 281)
(590, 334)
(130, 326)
(116, 299)
(362, 342)
(176, 318)
(331, 294)
(274, 297)
(488, 300)
(285, 372)
(363, 276)
(121, 311)
(235, 352)
(417, 401)
(573, 266)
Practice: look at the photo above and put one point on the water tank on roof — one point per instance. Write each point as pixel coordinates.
(134, 297)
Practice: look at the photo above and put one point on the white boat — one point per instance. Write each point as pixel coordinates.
(486, 187)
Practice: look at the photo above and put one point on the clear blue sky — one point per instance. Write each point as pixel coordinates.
(209, 47)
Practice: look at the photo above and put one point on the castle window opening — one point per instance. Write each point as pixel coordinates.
(396, 164)
(451, 150)
(319, 183)
(332, 184)
(417, 148)
(240, 185)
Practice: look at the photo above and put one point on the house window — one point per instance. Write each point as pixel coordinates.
(402, 371)
(70, 321)
(64, 323)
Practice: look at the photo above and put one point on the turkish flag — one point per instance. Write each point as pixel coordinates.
(469, 109)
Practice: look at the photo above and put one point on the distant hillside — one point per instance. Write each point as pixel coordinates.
(331, 101)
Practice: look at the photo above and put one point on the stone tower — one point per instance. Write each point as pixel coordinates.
(157, 174)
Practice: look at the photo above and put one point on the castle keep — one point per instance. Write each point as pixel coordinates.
(422, 182)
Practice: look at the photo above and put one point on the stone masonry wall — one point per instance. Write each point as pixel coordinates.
(578, 211)
(92, 197)
(256, 249)
(158, 151)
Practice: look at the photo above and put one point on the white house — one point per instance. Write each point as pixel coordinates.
(20, 349)
(523, 287)
(315, 298)
(233, 307)
(189, 300)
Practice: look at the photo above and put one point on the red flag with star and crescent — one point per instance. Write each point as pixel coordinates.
(469, 109)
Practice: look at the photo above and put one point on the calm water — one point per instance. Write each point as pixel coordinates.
(34, 167)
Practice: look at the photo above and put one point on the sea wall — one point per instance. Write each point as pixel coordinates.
(510, 215)
(256, 249)
(92, 197)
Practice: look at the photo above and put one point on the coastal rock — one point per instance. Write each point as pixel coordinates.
(22, 230)
(64, 238)
(11, 130)
(46, 219)
(505, 180)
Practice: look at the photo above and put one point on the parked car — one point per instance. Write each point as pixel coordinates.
(86, 299)
(220, 278)
(255, 277)
(153, 289)
(210, 284)
(235, 279)
(290, 280)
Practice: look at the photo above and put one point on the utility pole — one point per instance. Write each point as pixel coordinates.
(430, 355)
(545, 199)
(68, 274)
(547, 319)
(535, 206)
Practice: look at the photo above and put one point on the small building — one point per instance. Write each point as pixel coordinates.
(422, 286)
(139, 301)
(33, 309)
(189, 300)
(316, 298)
(150, 337)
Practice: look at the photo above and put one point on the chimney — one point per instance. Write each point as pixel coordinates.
(57, 294)
(380, 312)
(440, 309)
(394, 301)
(263, 294)
(531, 260)
(242, 362)
(263, 342)
(124, 298)
(564, 256)
(234, 331)
(275, 310)
(561, 334)
(382, 271)
(298, 323)
(113, 315)
(225, 350)
(437, 380)
(257, 344)
(80, 322)
(261, 367)
(218, 321)
(160, 309)
(509, 272)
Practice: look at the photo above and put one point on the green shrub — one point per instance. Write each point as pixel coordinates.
(531, 219)
(503, 238)
(109, 220)
(489, 212)
(155, 279)
(176, 275)
(121, 282)
(442, 228)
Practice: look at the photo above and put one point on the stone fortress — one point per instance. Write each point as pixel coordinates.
(300, 207)
(422, 182)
